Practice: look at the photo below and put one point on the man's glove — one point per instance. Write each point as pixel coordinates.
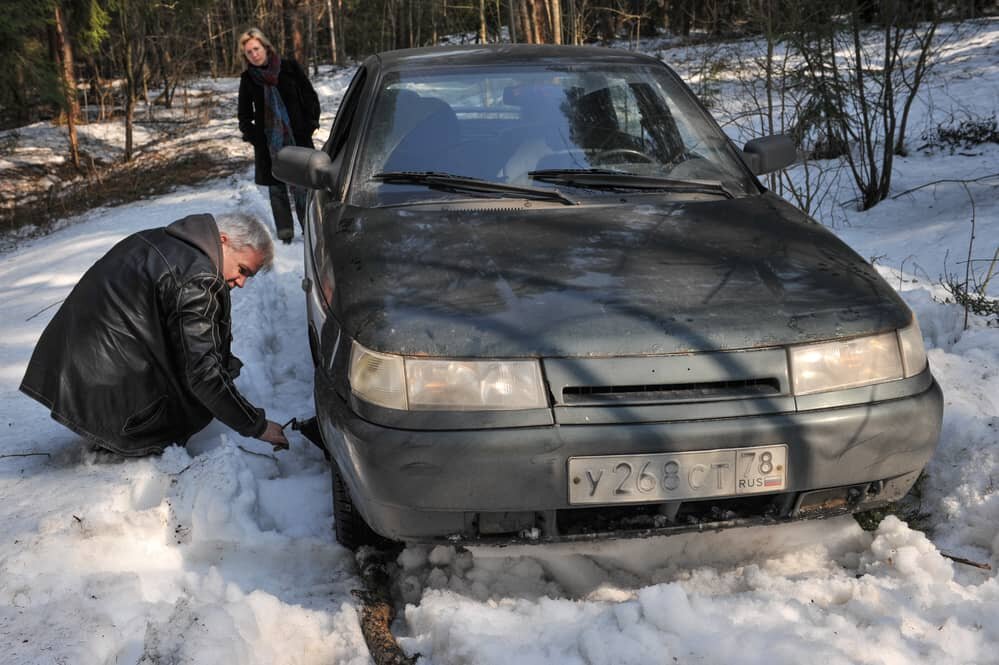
(234, 365)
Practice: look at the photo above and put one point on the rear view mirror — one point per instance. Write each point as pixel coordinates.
(304, 167)
(769, 153)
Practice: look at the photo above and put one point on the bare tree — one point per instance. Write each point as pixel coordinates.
(864, 91)
(64, 57)
(130, 43)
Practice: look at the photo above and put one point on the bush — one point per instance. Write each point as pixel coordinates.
(974, 301)
(963, 135)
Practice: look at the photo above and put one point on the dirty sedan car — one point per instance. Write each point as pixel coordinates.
(548, 299)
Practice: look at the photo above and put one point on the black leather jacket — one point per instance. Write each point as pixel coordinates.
(138, 356)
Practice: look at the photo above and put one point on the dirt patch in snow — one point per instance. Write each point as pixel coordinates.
(54, 196)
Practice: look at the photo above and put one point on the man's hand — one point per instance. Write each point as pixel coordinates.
(274, 435)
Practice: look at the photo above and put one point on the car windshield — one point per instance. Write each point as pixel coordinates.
(525, 125)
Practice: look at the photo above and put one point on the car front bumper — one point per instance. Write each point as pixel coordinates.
(511, 483)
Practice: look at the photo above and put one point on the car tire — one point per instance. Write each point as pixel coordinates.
(351, 530)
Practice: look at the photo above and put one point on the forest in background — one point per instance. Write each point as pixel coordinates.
(66, 58)
(838, 76)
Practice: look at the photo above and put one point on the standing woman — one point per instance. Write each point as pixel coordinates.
(277, 107)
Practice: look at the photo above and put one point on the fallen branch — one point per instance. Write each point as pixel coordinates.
(253, 452)
(968, 562)
(377, 610)
(938, 182)
(49, 455)
(43, 309)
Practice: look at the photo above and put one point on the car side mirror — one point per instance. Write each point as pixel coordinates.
(769, 153)
(304, 167)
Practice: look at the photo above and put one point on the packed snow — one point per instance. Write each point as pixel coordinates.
(223, 552)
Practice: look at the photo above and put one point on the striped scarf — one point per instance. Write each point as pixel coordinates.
(277, 125)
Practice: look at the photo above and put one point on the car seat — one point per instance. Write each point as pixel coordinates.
(429, 128)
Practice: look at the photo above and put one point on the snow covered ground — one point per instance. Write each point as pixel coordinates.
(223, 553)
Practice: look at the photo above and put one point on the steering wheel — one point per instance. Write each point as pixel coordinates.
(603, 155)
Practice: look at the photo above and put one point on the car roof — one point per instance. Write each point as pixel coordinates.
(491, 54)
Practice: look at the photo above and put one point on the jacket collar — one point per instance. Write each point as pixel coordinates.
(200, 231)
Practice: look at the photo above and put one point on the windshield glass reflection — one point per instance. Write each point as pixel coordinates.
(500, 125)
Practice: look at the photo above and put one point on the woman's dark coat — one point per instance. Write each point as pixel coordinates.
(138, 356)
(301, 101)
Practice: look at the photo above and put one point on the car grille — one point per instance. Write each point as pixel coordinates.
(669, 387)
(681, 392)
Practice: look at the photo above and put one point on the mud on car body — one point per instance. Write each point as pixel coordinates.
(548, 299)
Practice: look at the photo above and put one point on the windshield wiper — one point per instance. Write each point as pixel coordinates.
(607, 179)
(457, 183)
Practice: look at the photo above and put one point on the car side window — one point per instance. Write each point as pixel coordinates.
(345, 117)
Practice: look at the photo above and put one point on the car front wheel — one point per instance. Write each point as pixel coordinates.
(351, 530)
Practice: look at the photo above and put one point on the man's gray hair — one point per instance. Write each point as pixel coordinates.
(247, 231)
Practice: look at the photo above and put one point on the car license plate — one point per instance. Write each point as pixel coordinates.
(671, 476)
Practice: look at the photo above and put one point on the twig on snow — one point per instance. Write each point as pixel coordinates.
(43, 309)
(938, 182)
(253, 452)
(968, 562)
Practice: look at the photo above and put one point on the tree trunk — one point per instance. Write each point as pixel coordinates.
(341, 40)
(433, 24)
(573, 31)
(922, 63)
(21, 107)
(512, 20)
(213, 65)
(129, 102)
(419, 24)
(229, 57)
(410, 28)
(282, 41)
(332, 20)
(555, 15)
(482, 22)
(133, 44)
(388, 26)
(538, 21)
(310, 22)
(542, 14)
(64, 55)
(297, 38)
(526, 12)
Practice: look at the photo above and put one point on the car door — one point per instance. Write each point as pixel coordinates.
(325, 207)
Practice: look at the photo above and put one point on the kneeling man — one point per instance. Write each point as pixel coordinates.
(137, 358)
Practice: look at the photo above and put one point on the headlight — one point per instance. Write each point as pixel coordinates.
(845, 364)
(379, 378)
(446, 385)
(913, 351)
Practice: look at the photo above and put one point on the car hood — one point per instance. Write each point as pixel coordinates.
(535, 280)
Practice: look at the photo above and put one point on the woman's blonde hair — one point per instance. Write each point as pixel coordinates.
(255, 33)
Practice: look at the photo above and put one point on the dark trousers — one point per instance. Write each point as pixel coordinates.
(281, 207)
